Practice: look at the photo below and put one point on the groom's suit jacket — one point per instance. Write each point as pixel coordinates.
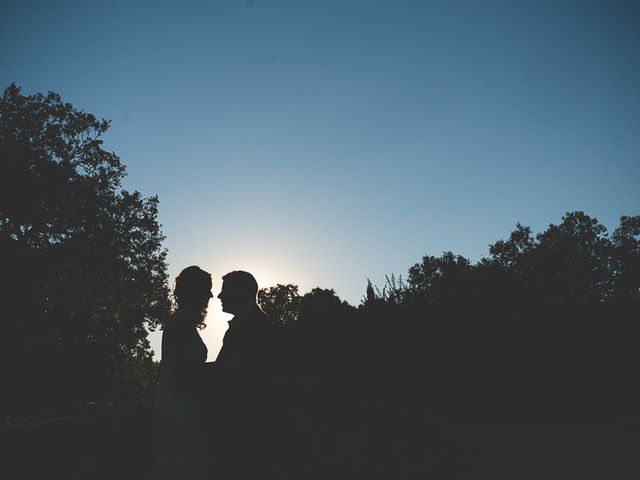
(246, 340)
(239, 387)
(244, 359)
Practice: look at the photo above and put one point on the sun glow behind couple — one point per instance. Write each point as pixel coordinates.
(268, 272)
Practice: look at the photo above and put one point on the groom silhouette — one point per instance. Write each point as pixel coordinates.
(243, 366)
(246, 343)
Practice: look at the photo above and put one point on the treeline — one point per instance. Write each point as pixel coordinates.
(544, 328)
(83, 269)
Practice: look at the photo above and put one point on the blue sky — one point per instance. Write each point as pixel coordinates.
(326, 142)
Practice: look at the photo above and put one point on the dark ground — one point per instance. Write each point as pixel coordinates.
(118, 444)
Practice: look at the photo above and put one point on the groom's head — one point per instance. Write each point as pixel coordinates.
(238, 288)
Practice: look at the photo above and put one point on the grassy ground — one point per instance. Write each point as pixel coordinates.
(115, 444)
(119, 444)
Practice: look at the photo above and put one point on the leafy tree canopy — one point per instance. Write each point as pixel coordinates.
(285, 305)
(281, 303)
(84, 271)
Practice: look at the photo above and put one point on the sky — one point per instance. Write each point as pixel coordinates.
(327, 142)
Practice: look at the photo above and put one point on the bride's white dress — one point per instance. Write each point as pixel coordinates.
(179, 422)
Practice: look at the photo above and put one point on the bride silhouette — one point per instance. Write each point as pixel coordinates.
(178, 414)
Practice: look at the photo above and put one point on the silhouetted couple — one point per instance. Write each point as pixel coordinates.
(209, 423)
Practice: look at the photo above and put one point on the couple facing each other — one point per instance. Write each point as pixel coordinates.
(205, 413)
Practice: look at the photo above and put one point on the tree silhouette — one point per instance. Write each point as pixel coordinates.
(626, 260)
(542, 326)
(83, 267)
(281, 303)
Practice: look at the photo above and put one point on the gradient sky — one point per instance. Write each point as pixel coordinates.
(326, 142)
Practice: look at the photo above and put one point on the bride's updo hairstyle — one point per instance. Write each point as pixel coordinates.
(192, 291)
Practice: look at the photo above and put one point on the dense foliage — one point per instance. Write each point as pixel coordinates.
(544, 327)
(83, 269)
